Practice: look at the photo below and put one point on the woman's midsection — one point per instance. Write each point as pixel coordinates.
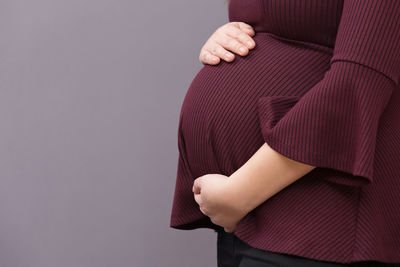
(220, 123)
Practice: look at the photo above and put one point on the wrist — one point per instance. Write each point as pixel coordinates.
(240, 194)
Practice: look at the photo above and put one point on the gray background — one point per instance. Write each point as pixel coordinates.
(90, 94)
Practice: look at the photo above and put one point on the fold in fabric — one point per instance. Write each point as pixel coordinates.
(335, 124)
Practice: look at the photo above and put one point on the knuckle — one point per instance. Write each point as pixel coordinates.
(243, 37)
(201, 57)
(226, 25)
(223, 40)
(232, 24)
(219, 30)
(218, 38)
(214, 49)
(231, 43)
(220, 51)
(237, 46)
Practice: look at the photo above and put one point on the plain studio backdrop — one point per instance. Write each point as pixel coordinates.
(90, 94)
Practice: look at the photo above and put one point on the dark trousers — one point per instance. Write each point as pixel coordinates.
(233, 252)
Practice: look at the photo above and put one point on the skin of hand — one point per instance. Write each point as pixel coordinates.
(226, 200)
(233, 36)
(211, 192)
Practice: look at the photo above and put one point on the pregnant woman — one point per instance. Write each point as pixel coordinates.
(290, 150)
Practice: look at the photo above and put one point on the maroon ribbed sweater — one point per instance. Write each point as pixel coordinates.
(320, 87)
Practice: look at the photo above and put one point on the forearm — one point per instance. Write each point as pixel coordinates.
(263, 175)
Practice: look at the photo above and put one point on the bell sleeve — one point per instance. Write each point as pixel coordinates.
(335, 123)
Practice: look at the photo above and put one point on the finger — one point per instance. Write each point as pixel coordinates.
(197, 198)
(245, 39)
(246, 28)
(207, 58)
(197, 186)
(229, 41)
(232, 44)
(203, 211)
(241, 36)
(219, 51)
(212, 220)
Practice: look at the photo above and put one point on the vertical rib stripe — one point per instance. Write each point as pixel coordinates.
(321, 87)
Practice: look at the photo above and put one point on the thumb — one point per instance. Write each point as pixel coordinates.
(197, 186)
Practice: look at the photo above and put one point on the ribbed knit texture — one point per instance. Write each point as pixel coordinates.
(321, 87)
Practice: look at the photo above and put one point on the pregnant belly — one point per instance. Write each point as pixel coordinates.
(219, 120)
